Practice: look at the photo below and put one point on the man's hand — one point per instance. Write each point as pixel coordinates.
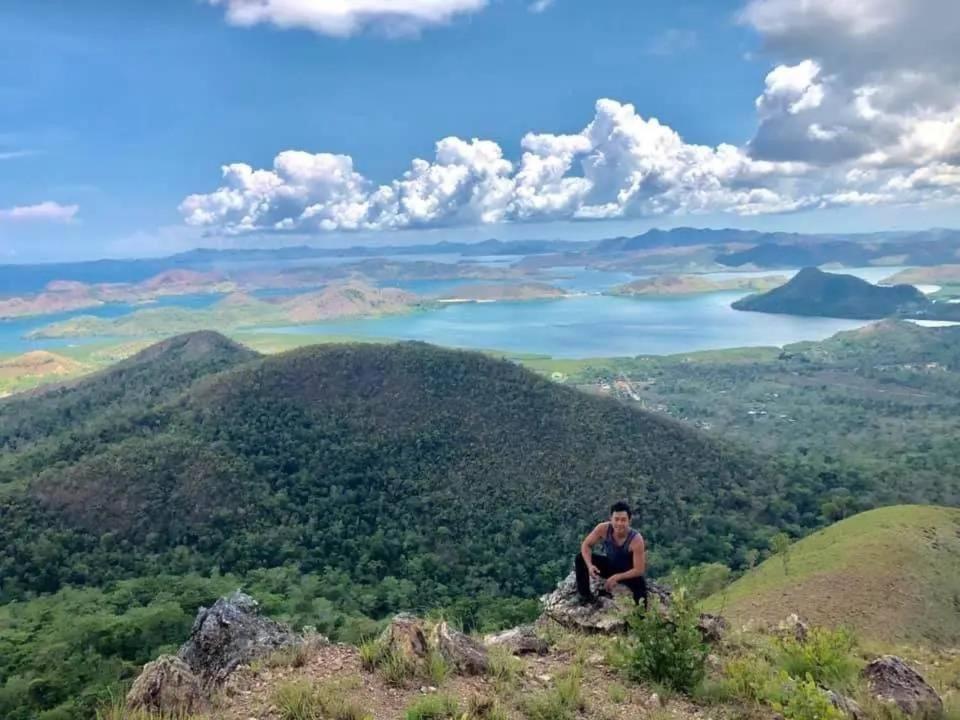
(611, 583)
(594, 572)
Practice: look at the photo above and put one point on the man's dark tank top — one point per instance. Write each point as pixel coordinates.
(619, 555)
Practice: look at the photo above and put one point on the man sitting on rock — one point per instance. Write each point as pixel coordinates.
(624, 558)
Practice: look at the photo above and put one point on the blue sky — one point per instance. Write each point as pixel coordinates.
(113, 114)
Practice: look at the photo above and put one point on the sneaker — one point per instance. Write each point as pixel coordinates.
(586, 600)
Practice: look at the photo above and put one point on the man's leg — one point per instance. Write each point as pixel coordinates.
(583, 574)
(638, 586)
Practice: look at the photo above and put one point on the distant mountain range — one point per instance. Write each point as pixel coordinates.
(814, 292)
(733, 248)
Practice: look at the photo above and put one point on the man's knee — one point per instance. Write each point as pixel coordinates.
(579, 562)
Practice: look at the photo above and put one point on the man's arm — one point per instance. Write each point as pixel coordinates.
(639, 551)
(586, 547)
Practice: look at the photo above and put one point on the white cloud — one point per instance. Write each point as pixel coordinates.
(538, 6)
(861, 107)
(47, 211)
(347, 17)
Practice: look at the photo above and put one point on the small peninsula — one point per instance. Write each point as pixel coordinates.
(695, 284)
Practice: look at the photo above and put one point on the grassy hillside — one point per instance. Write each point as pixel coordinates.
(893, 574)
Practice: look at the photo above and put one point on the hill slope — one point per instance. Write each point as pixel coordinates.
(813, 292)
(419, 475)
(157, 373)
(893, 574)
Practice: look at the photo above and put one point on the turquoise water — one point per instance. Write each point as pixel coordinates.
(587, 326)
(13, 332)
(590, 326)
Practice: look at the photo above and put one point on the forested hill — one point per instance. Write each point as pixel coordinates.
(158, 373)
(814, 292)
(415, 475)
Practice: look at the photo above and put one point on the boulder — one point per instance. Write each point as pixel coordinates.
(404, 637)
(794, 627)
(230, 634)
(563, 605)
(521, 640)
(463, 652)
(846, 705)
(167, 687)
(712, 627)
(891, 680)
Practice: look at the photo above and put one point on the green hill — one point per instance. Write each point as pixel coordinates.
(892, 574)
(813, 292)
(420, 475)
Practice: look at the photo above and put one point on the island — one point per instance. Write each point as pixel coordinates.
(351, 299)
(67, 295)
(504, 291)
(695, 284)
(817, 293)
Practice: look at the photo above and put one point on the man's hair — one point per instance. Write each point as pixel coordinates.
(621, 507)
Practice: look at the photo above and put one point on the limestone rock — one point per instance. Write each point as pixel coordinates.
(563, 605)
(520, 640)
(712, 627)
(166, 686)
(460, 650)
(795, 627)
(891, 680)
(603, 616)
(230, 634)
(846, 705)
(404, 637)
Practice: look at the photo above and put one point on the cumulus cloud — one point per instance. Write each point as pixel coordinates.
(344, 18)
(870, 80)
(860, 107)
(47, 211)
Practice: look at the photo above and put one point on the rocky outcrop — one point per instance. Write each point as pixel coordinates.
(404, 637)
(846, 705)
(230, 634)
(891, 680)
(522, 640)
(166, 686)
(464, 653)
(563, 606)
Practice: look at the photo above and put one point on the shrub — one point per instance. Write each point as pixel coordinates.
(438, 669)
(297, 700)
(804, 700)
(485, 708)
(561, 702)
(666, 649)
(433, 707)
(369, 654)
(825, 655)
(752, 679)
(504, 667)
(617, 693)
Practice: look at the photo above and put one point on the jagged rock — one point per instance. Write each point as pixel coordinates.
(404, 638)
(166, 686)
(519, 641)
(712, 627)
(460, 650)
(563, 606)
(845, 705)
(794, 626)
(230, 634)
(891, 680)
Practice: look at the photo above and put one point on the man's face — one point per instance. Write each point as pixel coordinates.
(620, 521)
